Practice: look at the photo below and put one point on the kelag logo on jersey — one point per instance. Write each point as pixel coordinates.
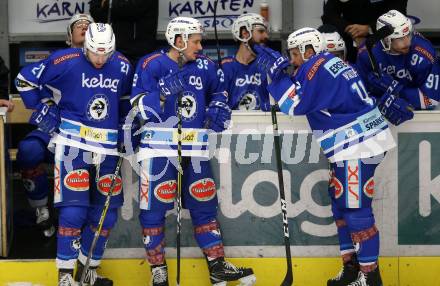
(189, 106)
(249, 79)
(392, 70)
(196, 81)
(100, 81)
(97, 107)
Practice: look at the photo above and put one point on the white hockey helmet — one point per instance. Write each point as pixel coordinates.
(247, 21)
(334, 43)
(76, 18)
(306, 37)
(401, 24)
(100, 39)
(183, 26)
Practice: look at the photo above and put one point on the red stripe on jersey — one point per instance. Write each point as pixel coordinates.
(425, 53)
(149, 59)
(314, 68)
(65, 58)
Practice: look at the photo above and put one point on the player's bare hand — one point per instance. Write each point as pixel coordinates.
(356, 30)
(7, 103)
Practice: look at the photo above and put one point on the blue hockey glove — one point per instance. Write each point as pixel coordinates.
(270, 62)
(218, 116)
(380, 84)
(46, 117)
(172, 84)
(395, 109)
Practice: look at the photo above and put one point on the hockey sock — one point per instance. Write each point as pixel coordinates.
(207, 232)
(36, 185)
(152, 223)
(71, 220)
(209, 239)
(154, 243)
(346, 246)
(368, 250)
(89, 233)
(30, 158)
(365, 236)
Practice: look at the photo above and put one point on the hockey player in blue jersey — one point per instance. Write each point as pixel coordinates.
(352, 133)
(157, 83)
(78, 95)
(407, 64)
(244, 83)
(33, 154)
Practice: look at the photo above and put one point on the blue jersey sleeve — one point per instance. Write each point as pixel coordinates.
(422, 59)
(126, 84)
(427, 96)
(216, 80)
(27, 83)
(363, 63)
(228, 80)
(420, 93)
(33, 78)
(144, 89)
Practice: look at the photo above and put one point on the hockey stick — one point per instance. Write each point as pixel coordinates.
(288, 279)
(219, 58)
(383, 32)
(101, 220)
(217, 42)
(179, 172)
(109, 14)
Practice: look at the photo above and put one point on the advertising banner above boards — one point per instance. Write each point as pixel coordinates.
(50, 17)
(406, 200)
(227, 12)
(43, 16)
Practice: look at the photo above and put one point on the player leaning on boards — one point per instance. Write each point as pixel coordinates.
(33, 154)
(160, 80)
(407, 63)
(79, 103)
(244, 83)
(352, 133)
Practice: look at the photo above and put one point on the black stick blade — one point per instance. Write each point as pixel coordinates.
(383, 32)
(288, 279)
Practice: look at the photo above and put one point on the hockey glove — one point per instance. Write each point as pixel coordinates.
(380, 84)
(46, 117)
(395, 109)
(270, 62)
(218, 116)
(145, 108)
(172, 84)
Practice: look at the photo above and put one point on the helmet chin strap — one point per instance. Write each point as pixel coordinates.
(182, 57)
(246, 44)
(303, 57)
